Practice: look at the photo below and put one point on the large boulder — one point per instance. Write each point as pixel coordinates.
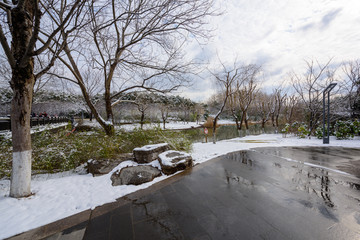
(101, 167)
(149, 153)
(173, 161)
(135, 175)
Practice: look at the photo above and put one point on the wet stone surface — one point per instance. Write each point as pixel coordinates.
(245, 195)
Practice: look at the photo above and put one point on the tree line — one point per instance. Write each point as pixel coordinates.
(299, 98)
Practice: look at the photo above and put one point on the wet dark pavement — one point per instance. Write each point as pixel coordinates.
(243, 195)
(343, 159)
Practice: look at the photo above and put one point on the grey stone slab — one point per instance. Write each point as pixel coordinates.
(121, 226)
(98, 227)
(163, 227)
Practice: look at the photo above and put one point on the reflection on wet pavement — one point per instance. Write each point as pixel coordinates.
(252, 141)
(337, 158)
(255, 194)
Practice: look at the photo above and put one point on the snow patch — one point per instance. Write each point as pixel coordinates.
(150, 147)
(167, 157)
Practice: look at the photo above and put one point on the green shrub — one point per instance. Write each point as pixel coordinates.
(319, 132)
(303, 131)
(355, 127)
(346, 129)
(286, 129)
(294, 127)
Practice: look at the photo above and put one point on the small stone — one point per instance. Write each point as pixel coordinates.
(135, 175)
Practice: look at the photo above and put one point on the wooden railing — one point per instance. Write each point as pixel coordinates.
(5, 123)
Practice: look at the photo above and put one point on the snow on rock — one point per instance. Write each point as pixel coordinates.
(149, 153)
(173, 161)
(151, 147)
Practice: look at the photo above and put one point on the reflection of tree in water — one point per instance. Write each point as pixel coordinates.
(325, 189)
(231, 178)
(242, 157)
(308, 182)
(246, 160)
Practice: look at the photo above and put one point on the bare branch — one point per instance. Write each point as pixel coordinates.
(62, 24)
(62, 77)
(6, 48)
(6, 6)
(34, 37)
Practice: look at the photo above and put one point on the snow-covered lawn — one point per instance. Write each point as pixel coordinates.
(60, 195)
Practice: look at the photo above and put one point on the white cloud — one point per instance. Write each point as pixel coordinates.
(281, 34)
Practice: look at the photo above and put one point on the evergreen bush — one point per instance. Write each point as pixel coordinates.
(303, 131)
(346, 129)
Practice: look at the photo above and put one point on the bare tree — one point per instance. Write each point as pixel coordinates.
(279, 97)
(310, 86)
(261, 102)
(352, 85)
(245, 89)
(164, 110)
(291, 103)
(225, 79)
(198, 111)
(135, 45)
(165, 106)
(21, 24)
(143, 102)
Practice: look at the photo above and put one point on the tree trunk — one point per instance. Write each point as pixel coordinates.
(22, 84)
(263, 125)
(142, 120)
(108, 107)
(246, 123)
(242, 120)
(214, 129)
(311, 123)
(236, 120)
(106, 125)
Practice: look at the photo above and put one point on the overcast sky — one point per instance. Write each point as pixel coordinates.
(279, 35)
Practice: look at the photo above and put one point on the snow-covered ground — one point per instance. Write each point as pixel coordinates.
(60, 195)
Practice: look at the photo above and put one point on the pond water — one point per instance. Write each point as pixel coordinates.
(224, 132)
